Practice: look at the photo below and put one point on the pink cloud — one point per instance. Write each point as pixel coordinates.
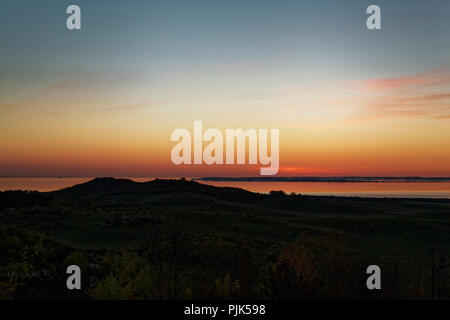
(425, 95)
(422, 80)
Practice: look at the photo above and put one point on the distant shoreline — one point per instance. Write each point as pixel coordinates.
(327, 179)
(271, 179)
(366, 187)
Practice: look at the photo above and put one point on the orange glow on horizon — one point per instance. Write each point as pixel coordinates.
(377, 127)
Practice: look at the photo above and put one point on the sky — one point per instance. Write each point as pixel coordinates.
(103, 100)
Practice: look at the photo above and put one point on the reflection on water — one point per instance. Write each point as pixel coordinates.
(363, 189)
(39, 184)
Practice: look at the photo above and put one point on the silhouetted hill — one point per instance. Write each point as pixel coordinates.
(101, 185)
(277, 200)
(104, 186)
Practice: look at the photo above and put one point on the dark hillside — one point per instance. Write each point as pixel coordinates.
(173, 239)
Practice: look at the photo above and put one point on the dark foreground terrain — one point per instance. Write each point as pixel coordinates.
(177, 239)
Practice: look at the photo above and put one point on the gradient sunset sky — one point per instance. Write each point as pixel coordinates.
(104, 100)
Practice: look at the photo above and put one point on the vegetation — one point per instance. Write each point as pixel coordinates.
(179, 239)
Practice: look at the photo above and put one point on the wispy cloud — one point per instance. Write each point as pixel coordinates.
(434, 77)
(425, 95)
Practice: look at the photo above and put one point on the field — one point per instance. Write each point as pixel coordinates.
(178, 239)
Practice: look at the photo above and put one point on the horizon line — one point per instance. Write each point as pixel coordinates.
(228, 177)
